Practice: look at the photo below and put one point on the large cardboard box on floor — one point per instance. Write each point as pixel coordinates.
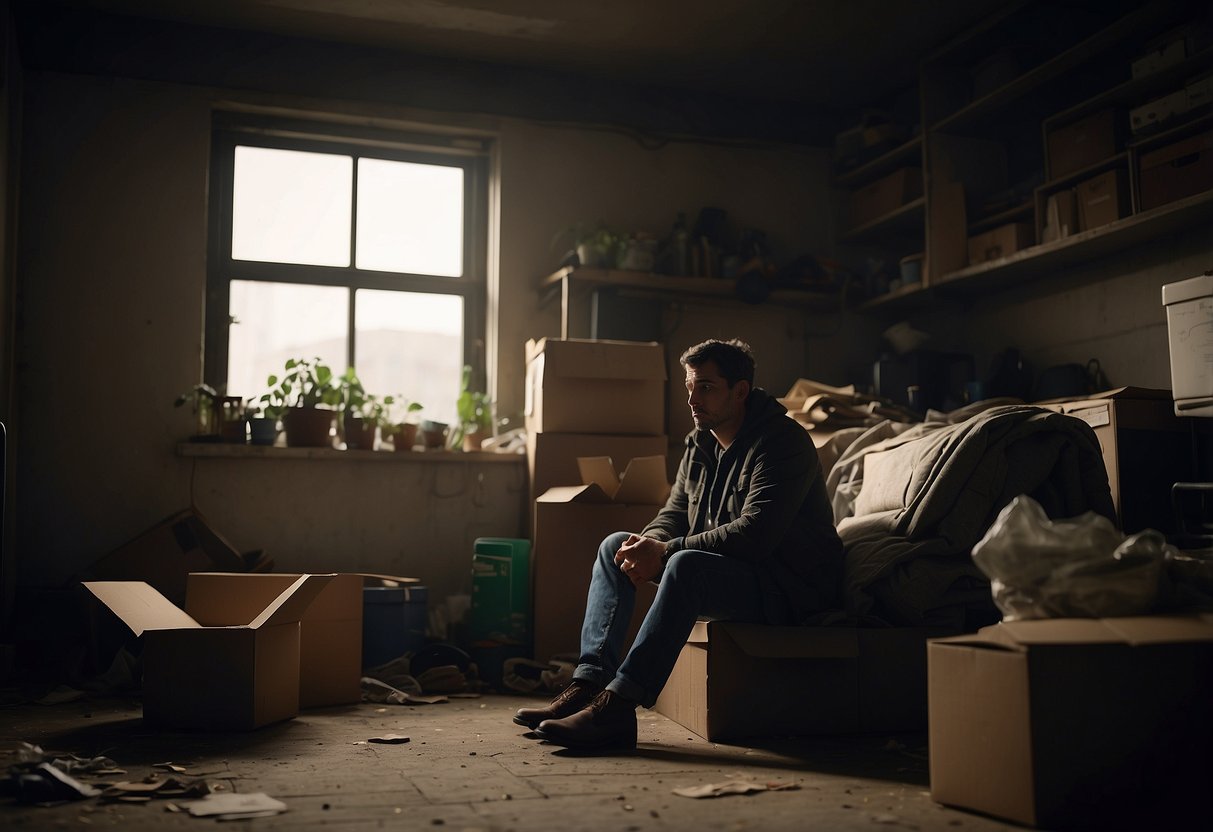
(330, 640)
(570, 522)
(1072, 723)
(584, 386)
(735, 680)
(233, 675)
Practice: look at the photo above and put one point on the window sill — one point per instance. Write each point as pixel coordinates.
(219, 450)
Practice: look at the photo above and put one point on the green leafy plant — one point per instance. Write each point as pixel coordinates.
(204, 404)
(304, 383)
(358, 403)
(474, 409)
(596, 246)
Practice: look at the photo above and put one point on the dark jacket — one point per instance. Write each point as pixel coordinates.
(762, 500)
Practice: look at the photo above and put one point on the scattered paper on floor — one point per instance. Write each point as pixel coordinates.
(733, 787)
(235, 806)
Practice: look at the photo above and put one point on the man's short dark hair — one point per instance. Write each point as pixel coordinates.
(733, 358)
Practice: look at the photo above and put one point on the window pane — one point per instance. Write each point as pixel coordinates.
(411, 344)
(277, 321)
(291, 207)
(410, 218)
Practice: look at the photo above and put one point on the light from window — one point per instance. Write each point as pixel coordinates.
(410, 218)
(411, 345)
(289, 206)
(277, 321)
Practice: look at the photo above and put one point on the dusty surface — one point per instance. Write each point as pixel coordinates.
(468, 767)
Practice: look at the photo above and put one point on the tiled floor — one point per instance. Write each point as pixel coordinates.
(468, 767)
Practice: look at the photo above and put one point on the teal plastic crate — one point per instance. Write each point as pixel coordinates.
(501, 592)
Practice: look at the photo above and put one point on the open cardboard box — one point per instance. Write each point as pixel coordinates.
(234, 674)
(735, 680)
(1073, 723)
(330, 639)
(570, 522)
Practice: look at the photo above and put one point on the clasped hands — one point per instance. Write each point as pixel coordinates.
(640, 558)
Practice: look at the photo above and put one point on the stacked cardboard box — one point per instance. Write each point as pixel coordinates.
(601, 402)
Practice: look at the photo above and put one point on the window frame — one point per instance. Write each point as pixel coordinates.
(472, 154)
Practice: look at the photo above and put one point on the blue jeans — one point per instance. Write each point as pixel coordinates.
(694, 584)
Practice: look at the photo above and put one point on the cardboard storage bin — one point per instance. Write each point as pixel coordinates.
(1145, 450)
(1000, 242)
(1189, 305)
(1178, 170)
(1101, 199)
(1073, 722)
(1082, 143)
(884, 196)
(236, 674)
(735, 680)
(582, 386)
(393, 622)
(570, 523)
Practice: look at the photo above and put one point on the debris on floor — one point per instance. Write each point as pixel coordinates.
(235, 806)
(374, 690)
(733, 787)
(390, 739)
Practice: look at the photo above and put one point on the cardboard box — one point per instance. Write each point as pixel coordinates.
(1146, 448)
(1189, 305)
(1071, 722)
(1082, 143)
(1061, 216)
(1175, 171)
(884, 196)
(552, 457)
(330, 639)
(235, 675)
(1101, 199)
(167, 553)
(570, 523)
(1000, 242)
(736, 680)
(581, 386)
(1153, 115)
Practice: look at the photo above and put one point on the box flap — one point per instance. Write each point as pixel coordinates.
(584, 358)
(294, 600)
(140, 606)
(1162, 629)
(574, 494)
(643, 481)
(1134, 630)
(374, 579)
(600, 471)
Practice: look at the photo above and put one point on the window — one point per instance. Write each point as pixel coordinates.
(366, 249)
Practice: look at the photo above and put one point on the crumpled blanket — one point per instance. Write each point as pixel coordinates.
(913, 502)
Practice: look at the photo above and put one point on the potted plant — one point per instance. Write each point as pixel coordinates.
(475, 411)
(263, 429)
(306, 397)
(596, 247)
(362, 412)
(202, 399)
(404, 433)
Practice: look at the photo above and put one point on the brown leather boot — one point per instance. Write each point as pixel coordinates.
(569, 701)
(607, 722)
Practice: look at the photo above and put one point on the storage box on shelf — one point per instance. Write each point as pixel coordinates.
(1086, 156)
(1176, 170)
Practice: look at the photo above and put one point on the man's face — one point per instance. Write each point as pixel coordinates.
(713, 403)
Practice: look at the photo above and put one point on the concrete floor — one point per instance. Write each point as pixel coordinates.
(468, 767)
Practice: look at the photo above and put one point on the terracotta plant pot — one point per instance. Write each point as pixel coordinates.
(473, 441)
(359, 433)
(433, 435)
(405, 436)
(308, 427)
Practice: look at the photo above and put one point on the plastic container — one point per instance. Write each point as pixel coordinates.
(393, 622)
(911, 269)
(1189, 306)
